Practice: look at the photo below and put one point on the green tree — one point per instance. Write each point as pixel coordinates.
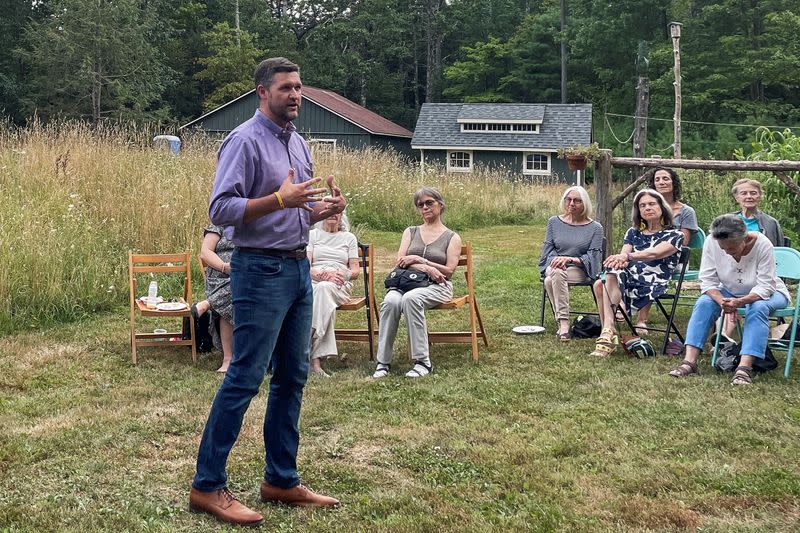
(96, 59)
(230, 66)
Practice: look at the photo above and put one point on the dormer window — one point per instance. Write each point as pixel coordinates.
(490, 127)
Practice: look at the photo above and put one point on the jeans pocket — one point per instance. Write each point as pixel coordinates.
(264, 265)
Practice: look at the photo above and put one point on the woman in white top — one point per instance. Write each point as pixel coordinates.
(737, 270)
(333, 254)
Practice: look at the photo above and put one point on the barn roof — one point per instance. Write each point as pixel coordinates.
(337, 104)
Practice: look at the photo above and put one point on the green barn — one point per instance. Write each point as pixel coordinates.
(327, 120)
(519, 139)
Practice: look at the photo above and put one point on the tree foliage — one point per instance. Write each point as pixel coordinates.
(95, 59)
(159, 59)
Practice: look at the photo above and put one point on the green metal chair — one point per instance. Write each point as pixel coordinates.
(696, 242)
(787, 265)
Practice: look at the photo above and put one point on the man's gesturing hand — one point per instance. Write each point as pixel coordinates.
(299, 194)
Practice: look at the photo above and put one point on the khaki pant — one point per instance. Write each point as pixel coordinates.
(556, 283)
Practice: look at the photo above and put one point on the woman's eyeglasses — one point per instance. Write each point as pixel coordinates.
(426, 203)
(573, 201)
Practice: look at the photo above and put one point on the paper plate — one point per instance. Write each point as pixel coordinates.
(171, 306)
(527, 330)
(159, 299)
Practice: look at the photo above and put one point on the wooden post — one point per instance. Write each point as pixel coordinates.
(602, 194)
(675, 33)
(563, 51)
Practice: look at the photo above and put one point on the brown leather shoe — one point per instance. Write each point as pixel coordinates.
(300, 496)
(223, 505)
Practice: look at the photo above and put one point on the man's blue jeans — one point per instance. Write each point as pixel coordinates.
(272, 299)
(756, 323)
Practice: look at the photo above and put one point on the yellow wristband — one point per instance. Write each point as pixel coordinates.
(280, 199)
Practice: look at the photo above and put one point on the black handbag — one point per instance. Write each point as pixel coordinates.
(406, 279)
(586, 327)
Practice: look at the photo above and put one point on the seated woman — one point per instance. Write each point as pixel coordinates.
(666, 181)
(430, 248)
(572, 252)
(748, 194)
(216, 251)
(333, 254)
(642, 269)
(737, 270)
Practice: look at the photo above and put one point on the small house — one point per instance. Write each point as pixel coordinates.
(327, 120)
(522, 139)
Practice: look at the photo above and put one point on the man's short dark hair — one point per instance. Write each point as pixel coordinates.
(267, 69)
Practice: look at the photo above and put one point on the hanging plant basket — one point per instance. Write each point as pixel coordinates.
(576, 162)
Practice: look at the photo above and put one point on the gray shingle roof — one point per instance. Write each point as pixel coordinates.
(532, 112)
(563, 125)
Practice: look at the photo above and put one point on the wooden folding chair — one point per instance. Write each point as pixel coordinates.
(160, 264)
(457, 302)
(366, 260)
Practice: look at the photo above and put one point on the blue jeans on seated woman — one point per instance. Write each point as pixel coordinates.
(756, 322)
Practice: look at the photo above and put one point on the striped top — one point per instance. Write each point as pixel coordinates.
(584, 241)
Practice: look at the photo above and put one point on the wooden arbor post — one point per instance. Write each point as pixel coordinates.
(603, 203)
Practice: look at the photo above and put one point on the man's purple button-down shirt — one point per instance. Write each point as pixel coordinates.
(253, 161)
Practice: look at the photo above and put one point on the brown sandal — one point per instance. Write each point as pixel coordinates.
(743, 375)
(681, 372)
(564, 337)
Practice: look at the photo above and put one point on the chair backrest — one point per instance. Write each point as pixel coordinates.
(787, 242)
(787, 262)
(160, 264)
(366, 260)
(697, 240)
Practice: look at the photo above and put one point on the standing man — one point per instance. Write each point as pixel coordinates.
(263, 193)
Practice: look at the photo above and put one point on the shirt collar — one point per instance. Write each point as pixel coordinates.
(281, 133)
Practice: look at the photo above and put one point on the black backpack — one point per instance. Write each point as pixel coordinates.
(586, 327)
(728, 358)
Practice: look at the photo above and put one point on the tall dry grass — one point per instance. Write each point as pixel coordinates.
(76, 199)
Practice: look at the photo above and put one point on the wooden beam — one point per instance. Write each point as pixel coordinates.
(789, 182)
(629, 189)
(705, 164)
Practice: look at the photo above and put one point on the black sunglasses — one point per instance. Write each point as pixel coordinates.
(426, 203)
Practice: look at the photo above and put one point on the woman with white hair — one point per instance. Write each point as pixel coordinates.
(572, 252)
(737, 270)
(643, 268)
(333, 254)
(748, 194)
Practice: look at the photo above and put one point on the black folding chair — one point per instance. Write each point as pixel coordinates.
(587, 283)
(683, 263)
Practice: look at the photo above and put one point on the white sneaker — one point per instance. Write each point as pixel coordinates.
(381, 371)
(419, 370)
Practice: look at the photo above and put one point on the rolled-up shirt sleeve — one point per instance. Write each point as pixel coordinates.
(709, 279)
(765, 273)
(593, 258)
(232, 182)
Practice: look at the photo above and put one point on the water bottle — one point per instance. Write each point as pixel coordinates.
(152, 294)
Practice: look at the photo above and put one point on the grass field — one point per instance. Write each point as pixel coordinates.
(535, 437)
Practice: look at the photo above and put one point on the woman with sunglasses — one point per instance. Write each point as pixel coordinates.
(430, 248)
(572, 252)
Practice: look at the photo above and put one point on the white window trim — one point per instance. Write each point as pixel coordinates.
(537, 172)
(460, 169)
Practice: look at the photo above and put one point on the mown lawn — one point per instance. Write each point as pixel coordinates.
(535, 437)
